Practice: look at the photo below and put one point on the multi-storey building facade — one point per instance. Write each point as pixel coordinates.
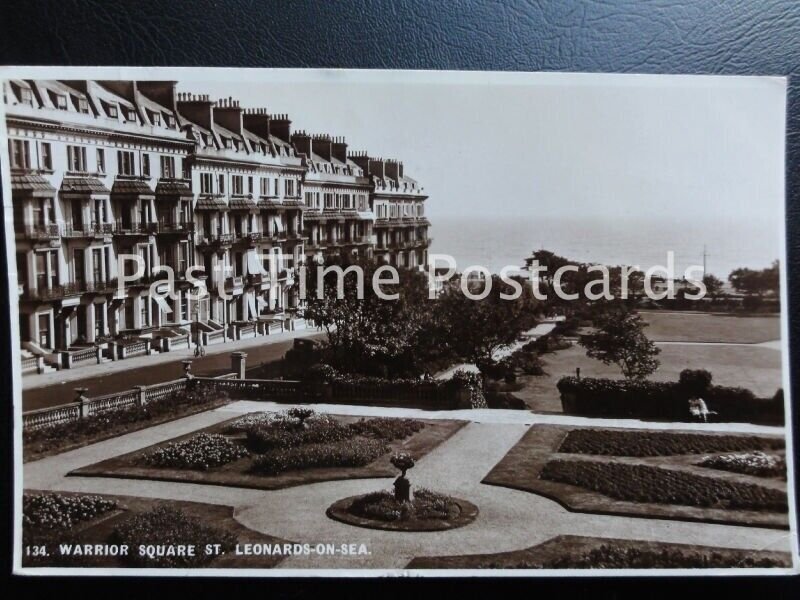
(398, 203)
(338, 214)
(102, 170)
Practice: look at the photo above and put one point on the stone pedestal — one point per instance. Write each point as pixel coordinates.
(402, 489)
(238, 364)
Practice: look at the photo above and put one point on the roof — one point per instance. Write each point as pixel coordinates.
(135, 187)
(31, 184)
(211, 203)
(83, 185)
(269, 203)
(293, 204)
(242, 203)
(173, 187)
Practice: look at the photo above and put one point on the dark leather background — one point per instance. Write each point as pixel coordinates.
(630, 36)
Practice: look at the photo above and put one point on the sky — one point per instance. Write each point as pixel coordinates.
(548, 144)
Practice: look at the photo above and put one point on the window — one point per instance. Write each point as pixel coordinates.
(46, 156)
(130, 114)
(155, 118)
(20, 153)
(145, 165)
(265, 186)
(60, 100)
(44, 330)
(145, 312)
(76, 159)
(290, 188)
(227, 142)
(112, 111)
(167, 167)
(184, 167)
(125, 163)
(309, 199)
(26, 96)
(83, 105)
(275, 187)
(236, 185)
(221, 184)
(329, 201)
(101, 160)
(99, 320)
(206, 183)
(250, 185)
(183, 257)
(170, 120)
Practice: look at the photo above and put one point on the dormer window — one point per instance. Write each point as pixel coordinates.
(112, 111)
(82, 104)
(155, 119)
(60, 100)
(170, 120)
(26, 96)
(227, 143)
(129, 113)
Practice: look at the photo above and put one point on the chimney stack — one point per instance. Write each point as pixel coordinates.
(321, 144)
(281, 127)
(228, 113)
(302, 143)
(257, 120)
(162, 92)
(197, 108)
(339, 149)
(394, 169)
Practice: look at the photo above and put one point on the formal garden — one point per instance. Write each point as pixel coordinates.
(579, 552)
(274, 450)
(710, 477)
(69, 529)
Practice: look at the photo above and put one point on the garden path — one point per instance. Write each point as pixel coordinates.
(508, 519)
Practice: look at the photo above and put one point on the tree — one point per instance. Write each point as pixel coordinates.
(370, 334)
(475, 329)
(620, 339)
(756, 282)
(713, 286)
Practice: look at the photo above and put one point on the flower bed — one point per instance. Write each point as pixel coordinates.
(750, 463)
(352, 452)
(382, 506)
(287, 433)
(164, 526)
(659, 443)
(45, 441)
(643, 483)
(577, 552)
(202, 452)
(386, 429)
(50, 512)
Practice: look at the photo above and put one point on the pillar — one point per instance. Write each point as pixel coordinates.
(238, 364)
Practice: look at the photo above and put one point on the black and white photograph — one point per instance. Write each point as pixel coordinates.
(300, 322)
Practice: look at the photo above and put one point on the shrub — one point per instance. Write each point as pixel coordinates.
(382, 506)
(662, 400)
(254, 420)
(643, 483)
(386, 429)
(659, 443)
(609, 556)
(42, 512)
(695, 382)
(286, 434)
(353, 452)
(200, 452)
(750, 463)
(300, 413)
(164, 526)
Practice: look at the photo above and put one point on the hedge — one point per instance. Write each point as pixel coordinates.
(643, 399)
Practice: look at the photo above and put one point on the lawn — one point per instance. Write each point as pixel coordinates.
(752, 367)
(577, 552)
(267, 468)
(659, 476)
(706, 327)
(103, 528)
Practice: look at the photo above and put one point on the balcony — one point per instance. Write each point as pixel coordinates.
(234, 284)
(258, 279)
(43, 233)
(136, 229)
(180, 229)
(92, 230)
(214, 240)
(66, 290)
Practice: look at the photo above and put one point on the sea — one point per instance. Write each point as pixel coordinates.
(498, 241)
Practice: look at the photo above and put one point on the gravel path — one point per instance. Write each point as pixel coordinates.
(508, 519)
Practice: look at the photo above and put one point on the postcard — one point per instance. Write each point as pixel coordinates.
(366, 323)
